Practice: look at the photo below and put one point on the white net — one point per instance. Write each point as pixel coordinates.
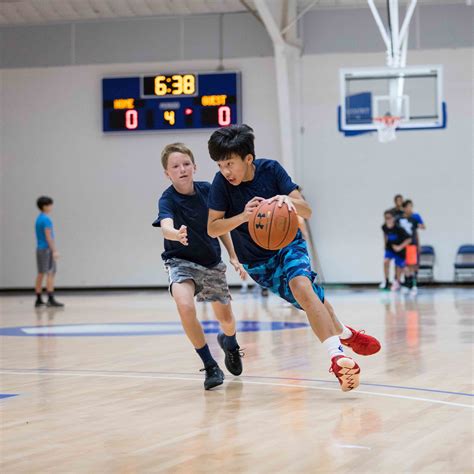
(387, 128)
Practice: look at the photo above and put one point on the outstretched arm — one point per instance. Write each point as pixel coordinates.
(170, 233)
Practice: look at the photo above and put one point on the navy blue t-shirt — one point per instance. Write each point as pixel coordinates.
(396, 235)
(192, 212)
(270, 179)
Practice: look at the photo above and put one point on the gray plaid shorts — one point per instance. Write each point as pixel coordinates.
(210, 283)
(45, 261)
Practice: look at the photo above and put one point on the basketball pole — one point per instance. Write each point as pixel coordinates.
(287, 50)
(396, 40)
(287, 58)
(396, 43)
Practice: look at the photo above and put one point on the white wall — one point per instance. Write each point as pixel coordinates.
(105, 187)
(351, 181)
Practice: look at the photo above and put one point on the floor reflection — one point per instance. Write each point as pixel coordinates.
(464, 305)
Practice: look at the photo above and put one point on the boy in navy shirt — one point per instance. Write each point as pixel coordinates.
(396, 239)
(46, 253)
(193, 261)
(242, 183)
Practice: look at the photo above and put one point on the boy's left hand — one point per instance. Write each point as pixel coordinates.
(282, 199)
(238, 268)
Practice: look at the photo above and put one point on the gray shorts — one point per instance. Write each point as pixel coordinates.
(210, 283)
(45, 261)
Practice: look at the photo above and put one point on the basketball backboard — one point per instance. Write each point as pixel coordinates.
(413, 94)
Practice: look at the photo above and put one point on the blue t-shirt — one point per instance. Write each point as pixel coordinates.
(192, 212)
(270, 179)
(418, 218)
(43, 221)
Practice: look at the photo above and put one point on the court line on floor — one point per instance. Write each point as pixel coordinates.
(298, 379)
(352, 446)
(312, 387)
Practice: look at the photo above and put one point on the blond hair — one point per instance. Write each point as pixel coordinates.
(172, 148)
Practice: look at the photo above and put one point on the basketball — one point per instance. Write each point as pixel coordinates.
(273, 227)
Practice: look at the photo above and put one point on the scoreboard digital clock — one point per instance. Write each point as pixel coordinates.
(171, 101)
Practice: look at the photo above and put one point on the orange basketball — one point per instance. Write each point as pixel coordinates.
(273, 227)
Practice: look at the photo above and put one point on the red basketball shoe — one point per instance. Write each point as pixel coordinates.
(362, 343)
(347, 372)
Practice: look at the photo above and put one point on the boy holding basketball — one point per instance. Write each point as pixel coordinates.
(193, 261)
(237, 190)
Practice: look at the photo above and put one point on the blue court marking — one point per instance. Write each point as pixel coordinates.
(8, 395)
(140, 329)
(295, 379)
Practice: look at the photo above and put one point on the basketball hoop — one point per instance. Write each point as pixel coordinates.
(386, 128)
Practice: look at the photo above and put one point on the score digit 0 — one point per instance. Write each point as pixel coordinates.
(224, 116)
(131, 119)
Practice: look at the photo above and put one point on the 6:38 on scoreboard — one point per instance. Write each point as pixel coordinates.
(171, 101)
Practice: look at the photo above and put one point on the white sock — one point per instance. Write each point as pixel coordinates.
(333, 346)
(346, 332)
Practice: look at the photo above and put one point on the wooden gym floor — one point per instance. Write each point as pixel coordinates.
(110, 385)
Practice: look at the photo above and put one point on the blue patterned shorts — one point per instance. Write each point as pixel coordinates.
(277, 272)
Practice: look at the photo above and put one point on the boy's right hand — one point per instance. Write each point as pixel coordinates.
(55, 255)
(250, 207)
(183, 235)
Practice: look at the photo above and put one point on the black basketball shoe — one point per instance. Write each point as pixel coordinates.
(233, 359)
(52, 303)
(214, 377)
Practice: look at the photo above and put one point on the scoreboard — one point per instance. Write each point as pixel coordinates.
(171, 101)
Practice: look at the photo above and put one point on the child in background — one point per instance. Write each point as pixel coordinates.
(397, 211)
(411, 222)
(396, 239)
(193, 261)
(46, 253)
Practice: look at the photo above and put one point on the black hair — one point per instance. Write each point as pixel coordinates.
(397, 196)
(43, 201)
(388, 213)
(236, 139)
(407, 203)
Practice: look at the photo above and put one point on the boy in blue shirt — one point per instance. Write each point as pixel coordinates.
(46, 253)
(242, 183)
(193, 261)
